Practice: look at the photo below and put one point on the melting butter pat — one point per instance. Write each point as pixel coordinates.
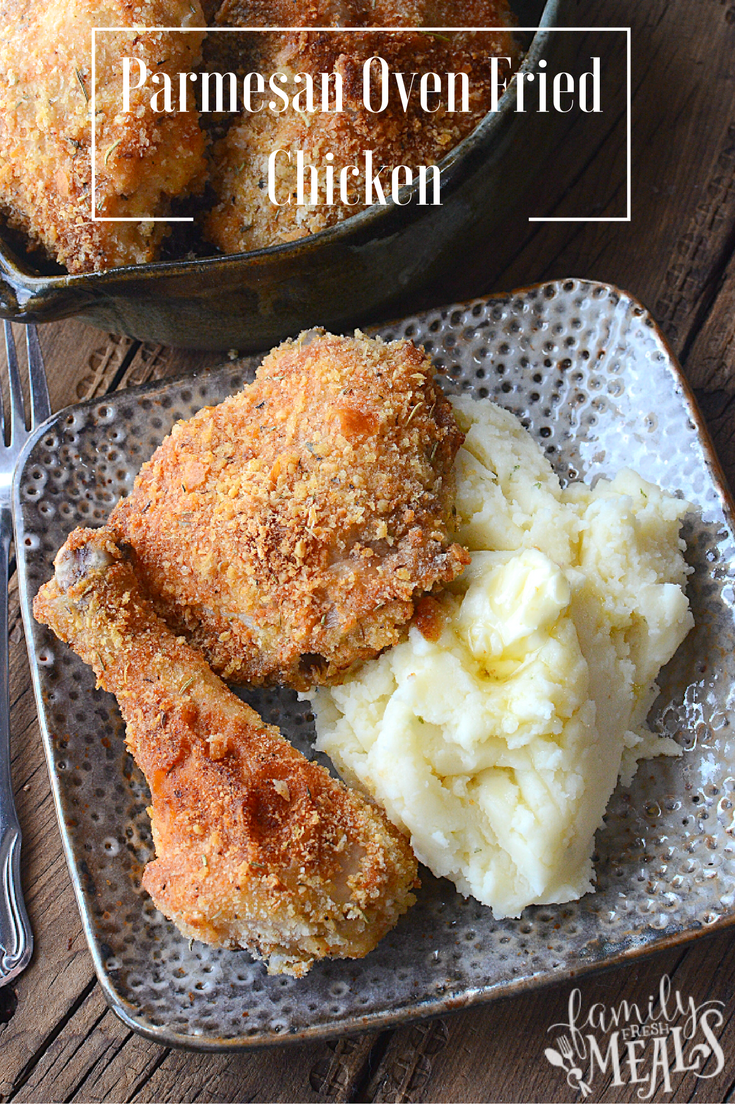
(530, 585)
(497, 746)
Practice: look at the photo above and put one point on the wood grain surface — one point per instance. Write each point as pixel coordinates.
(58, 1041)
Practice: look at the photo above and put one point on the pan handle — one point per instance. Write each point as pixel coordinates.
(9, 306)
(33, 299)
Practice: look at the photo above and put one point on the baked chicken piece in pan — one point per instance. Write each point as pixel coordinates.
(244, 215)
(142, 159)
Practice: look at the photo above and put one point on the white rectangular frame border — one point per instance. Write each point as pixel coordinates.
(438, 30)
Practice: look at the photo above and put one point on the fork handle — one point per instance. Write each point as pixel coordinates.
(16, 938)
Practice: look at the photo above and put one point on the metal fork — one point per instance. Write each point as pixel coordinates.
(16, 938)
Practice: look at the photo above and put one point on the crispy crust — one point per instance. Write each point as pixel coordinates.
(255, 846)
(289, 531)
(45, 133)
(244, 217)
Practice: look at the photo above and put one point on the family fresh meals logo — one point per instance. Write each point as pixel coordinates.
(630, 1045)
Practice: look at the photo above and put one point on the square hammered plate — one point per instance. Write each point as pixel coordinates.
(589, 374)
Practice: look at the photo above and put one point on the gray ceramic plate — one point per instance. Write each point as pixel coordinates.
(589, 374)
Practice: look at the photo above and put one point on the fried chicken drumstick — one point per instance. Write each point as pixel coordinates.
(255, 846)
(290, 531)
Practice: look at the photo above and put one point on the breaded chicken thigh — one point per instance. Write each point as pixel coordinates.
(289, 532)
(256, 847)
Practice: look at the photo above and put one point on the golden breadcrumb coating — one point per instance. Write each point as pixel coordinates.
(245, 217)
(289, 531)
(256, 847)
(142, 159)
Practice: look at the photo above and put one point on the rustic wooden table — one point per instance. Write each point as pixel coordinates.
(58, 1041)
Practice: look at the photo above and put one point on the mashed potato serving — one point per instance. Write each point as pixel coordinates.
(496, 736)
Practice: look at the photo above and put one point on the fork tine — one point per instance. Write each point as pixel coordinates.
(17, 421)
(40, 404)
